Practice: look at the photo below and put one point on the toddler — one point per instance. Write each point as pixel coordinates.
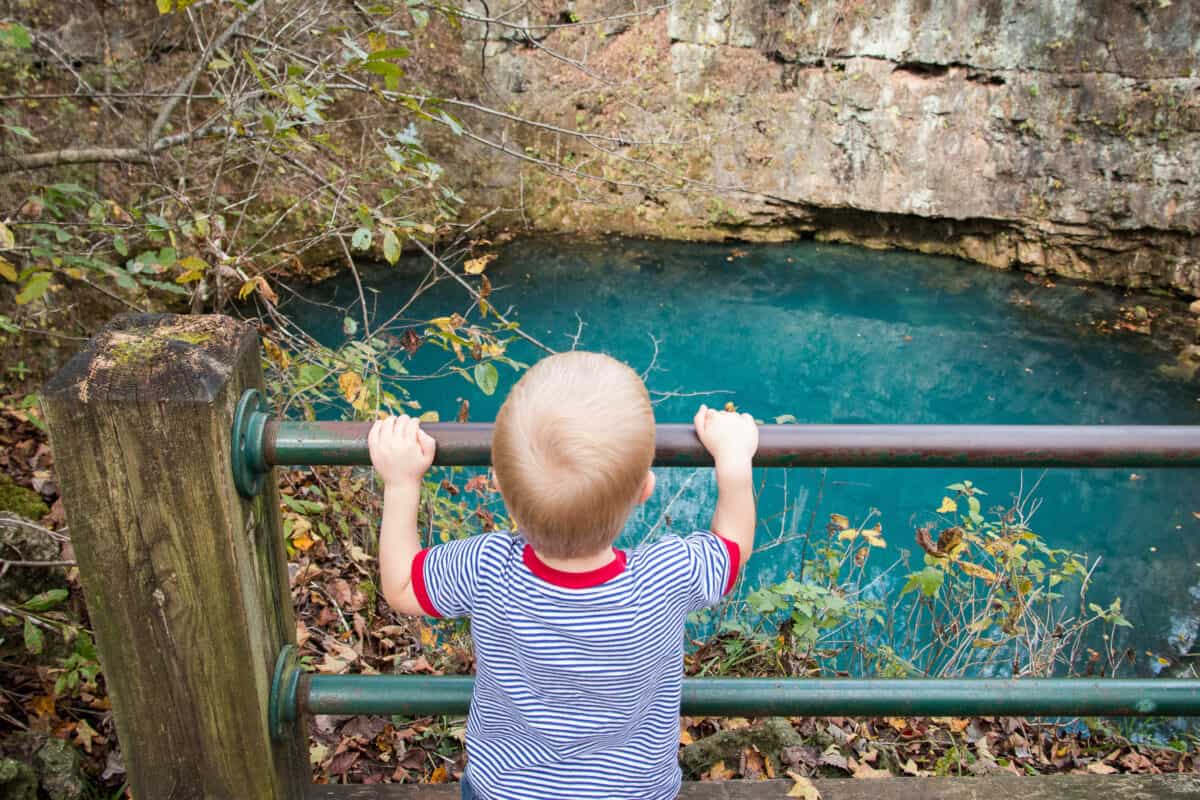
(578, 645)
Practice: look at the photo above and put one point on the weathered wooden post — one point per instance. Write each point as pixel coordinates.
(186, 582)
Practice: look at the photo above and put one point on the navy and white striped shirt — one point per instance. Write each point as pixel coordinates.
(578, 674)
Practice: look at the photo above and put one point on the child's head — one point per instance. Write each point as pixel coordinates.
(572, 450)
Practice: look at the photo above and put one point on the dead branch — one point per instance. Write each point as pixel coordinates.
(185, 83)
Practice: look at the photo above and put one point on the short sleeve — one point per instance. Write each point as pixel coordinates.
(712, 563)
(446, 577)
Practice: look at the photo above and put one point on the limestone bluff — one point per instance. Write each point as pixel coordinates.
(1057, 136)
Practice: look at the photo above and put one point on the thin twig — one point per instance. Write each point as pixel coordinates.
(474, 293)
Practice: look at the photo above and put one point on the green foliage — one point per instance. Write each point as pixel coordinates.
(988, 594)
(80, 669)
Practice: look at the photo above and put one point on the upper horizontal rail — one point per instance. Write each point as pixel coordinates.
(262, 442)
(286, 442)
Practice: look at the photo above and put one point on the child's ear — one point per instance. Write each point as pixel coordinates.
(648, 487)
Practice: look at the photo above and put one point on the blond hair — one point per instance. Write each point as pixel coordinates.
(572, 445)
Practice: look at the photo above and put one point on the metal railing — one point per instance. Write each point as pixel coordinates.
(260, 442)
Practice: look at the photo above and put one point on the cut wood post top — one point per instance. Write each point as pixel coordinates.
(185, 357)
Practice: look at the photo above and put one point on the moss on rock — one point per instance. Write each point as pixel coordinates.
(21, 501)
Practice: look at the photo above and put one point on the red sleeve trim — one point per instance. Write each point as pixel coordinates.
(418, 583)
(735, 561)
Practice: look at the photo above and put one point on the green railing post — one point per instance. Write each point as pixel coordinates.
(185, 580)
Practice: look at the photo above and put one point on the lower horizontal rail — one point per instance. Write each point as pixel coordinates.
(763, 697)
(294, 693)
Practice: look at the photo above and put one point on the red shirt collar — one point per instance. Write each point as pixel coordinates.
(574, 580)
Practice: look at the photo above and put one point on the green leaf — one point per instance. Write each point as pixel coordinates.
(452, 122)
(311, 374)
(15, 35)
(121, 246)
(390, 52)
(24, 133)
(486, 377)
(34, 641)
(361, 239)
(173, 288)
(35, 288)
(46, 600)
(391, 246)
(928, 580)
(349, 326)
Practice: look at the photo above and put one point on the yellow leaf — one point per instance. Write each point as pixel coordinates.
(191, 276)
(246, 289)
(7, 240)
(350, 384)
(428, 639)
(276, 354)
(439, 775)
(685, 738)
(874, 536)
(848, 535)
(43, 705)
(839, 521)
(476, 266)
(429, 416)
(948, 506)
(7, 270)
(976, 571)
(443, 323)
(802, 787)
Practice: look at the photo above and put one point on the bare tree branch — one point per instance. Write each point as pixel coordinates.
(185, 83)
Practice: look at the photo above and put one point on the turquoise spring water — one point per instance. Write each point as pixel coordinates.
(837, 334)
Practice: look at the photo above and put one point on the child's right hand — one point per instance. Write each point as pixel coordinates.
(400, 451)
(731, 438)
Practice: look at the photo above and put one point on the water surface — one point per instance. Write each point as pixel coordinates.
(837, 334)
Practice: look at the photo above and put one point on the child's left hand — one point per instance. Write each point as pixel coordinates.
(400, 451)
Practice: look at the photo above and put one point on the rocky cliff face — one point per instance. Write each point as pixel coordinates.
(1054, 135)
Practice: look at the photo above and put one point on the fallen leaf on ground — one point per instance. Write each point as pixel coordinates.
(865, 770)
(802, 787)
(1100, 768)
